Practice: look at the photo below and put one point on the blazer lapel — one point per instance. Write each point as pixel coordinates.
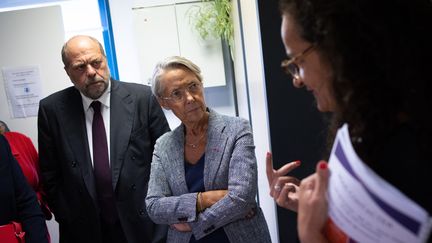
(175, 156)
(121, 115)
(73, 121)
(216, 142)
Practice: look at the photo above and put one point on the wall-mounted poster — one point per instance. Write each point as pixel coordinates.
(23, 90)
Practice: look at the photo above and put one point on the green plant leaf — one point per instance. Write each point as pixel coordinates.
(213, 19)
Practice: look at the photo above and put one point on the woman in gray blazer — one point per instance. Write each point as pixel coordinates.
(203, 180)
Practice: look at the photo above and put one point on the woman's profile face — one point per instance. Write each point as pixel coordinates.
(314, 73)
(183, 94)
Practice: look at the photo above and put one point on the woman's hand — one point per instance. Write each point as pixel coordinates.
(208, 198)
(284, 189)
(182, 227)
(312, 205)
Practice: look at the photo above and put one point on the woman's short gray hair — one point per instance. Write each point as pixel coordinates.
(173, 62)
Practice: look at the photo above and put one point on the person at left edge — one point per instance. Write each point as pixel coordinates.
(18, 201)
(133, 120)
(27, 157)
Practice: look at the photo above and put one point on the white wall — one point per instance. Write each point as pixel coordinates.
(32, 37)
(30, 40)
(124, 40)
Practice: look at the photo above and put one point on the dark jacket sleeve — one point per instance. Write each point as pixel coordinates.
(158, 126)
(48, 160)
(27, 210)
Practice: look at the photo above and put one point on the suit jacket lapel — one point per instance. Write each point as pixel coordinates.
(122, 113)
(71, 111)
(216, 142)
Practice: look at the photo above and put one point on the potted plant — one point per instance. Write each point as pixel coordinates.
(213, 20)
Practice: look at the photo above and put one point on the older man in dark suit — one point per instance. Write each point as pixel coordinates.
(96, 142)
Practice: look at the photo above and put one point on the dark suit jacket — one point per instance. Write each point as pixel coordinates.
(66, 168)
(18, 201)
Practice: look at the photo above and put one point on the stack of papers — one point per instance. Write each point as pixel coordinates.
(363, 207)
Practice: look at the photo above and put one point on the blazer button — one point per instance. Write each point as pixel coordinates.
(73, 164)
(133, 157)
(141, 212)
(133, 187)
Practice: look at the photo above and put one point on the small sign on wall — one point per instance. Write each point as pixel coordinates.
(23, 90)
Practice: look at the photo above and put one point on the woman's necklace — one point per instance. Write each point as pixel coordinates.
(197, 143)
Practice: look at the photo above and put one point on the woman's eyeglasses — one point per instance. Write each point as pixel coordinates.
(290, 67)
(179, 95)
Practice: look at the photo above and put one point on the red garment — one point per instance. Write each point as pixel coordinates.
(25, 153)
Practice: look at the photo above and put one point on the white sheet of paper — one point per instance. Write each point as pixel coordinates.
(23, 89)
(366, 207)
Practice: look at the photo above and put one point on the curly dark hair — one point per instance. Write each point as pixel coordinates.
(380, 52)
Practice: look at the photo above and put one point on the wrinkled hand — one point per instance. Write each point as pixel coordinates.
(284, 189)
(313, 207)
(182, 227)
(211, 197)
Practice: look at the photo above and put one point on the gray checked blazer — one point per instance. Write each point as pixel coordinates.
(230, 163)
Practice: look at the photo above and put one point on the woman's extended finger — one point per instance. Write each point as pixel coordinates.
(287, 168)
(272, 173)
(322, 178)
(269, 168)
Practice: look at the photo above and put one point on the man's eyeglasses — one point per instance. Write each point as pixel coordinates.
(290, 67)
(179, 95)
